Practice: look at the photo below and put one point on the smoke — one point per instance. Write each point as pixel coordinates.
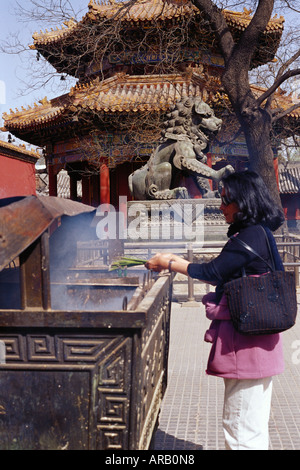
(75, 290)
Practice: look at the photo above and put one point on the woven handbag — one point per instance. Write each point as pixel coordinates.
(264, 304)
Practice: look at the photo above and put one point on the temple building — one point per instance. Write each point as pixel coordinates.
(109, 122)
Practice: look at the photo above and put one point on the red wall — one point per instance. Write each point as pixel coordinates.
(17, 178)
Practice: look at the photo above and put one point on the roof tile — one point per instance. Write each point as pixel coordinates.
(289, 179)
(145, 10)
(122, 93)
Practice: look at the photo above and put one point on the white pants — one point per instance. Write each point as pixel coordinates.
(246, 413)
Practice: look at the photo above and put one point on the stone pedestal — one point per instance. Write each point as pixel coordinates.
(176, 220)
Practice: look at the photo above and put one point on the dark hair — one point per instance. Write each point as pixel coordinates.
(256, 205)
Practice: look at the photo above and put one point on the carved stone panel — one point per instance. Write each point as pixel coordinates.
(74, 387)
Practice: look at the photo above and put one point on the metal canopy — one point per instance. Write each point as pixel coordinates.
(24, 220)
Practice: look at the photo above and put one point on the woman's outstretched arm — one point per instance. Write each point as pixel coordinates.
(162, 261)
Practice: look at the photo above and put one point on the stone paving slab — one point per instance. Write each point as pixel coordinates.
(191, 413)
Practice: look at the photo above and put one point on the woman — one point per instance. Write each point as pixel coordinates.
(246, 363)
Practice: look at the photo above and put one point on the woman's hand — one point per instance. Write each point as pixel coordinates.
(159, 262)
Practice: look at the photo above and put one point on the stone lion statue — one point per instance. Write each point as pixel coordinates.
(189, 127)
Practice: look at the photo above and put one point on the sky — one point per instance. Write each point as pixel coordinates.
(14, 67)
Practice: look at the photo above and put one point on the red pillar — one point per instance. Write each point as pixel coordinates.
(52, 181)
(104, 184)
(209, 163)
(275, 163)
(209, 159)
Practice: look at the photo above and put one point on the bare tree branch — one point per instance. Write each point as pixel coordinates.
(276, 84)
(282, 114)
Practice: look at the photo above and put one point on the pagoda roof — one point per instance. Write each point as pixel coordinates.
(289, 178)
(145, 12)
(121, 93)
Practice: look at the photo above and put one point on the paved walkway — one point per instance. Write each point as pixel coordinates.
(191, 413)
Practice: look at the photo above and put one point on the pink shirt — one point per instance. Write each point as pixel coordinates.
(237, 356)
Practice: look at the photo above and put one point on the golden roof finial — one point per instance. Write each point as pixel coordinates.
(44, 101)
(247, 12)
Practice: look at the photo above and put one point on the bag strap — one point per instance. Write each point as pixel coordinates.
(249, 248)
(269, 247)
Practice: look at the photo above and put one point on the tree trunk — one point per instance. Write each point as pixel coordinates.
(254, 120)
(256, 124)
(257, 132)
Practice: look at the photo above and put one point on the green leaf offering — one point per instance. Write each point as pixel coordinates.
(125, 262)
